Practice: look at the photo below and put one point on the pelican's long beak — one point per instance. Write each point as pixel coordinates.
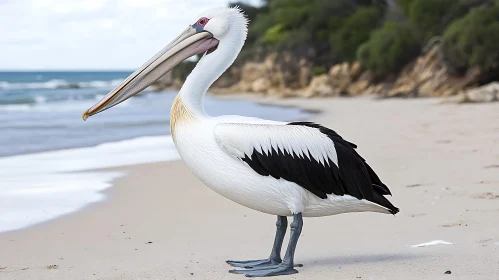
(189, 43)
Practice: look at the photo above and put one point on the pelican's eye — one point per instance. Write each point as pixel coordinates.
(202, 21)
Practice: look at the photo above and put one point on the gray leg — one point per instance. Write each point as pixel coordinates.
(275, 254)
(287, 264)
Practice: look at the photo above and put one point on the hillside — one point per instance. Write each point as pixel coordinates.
(403, 48)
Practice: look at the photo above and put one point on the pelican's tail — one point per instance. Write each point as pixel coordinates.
(381, 200)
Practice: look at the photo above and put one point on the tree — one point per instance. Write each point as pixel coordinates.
(355, 31)
(473, 41)
(388, 49)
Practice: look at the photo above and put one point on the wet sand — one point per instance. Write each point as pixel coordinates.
(159, 222)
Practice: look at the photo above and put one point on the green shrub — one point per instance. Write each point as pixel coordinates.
(388, 49)
(355, 31)
(473, 40)
(274, 34)
(430, 16)
(319, 70)
(405, 5)
(304, 27)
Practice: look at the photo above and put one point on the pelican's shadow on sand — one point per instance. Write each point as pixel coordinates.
(357, 259)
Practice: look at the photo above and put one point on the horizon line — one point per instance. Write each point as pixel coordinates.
(67, 70)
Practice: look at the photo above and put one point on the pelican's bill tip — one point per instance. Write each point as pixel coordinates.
(84, 116)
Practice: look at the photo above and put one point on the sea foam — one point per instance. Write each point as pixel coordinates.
(39, 187)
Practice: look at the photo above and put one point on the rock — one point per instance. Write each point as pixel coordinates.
(229, 78)
(486, 93)
(260, 85)
(252, 71)
(292, 72)
(428, 76)
(287, 72)
(243, 86)
(304, 73)
(380, 88)
(358, 87)
(335, 70)
(340, 70)
(340, 78)
(249, 73)
(356, 70)
(320, 86)
(457, 99)
(361, 84)
(406, 89)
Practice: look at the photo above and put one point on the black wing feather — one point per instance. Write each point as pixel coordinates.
(354, 177)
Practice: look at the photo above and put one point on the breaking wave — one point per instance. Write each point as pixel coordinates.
(60, 84)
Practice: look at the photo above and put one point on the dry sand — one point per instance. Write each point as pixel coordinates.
(159, 222)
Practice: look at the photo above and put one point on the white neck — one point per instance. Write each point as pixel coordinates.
(209, 68)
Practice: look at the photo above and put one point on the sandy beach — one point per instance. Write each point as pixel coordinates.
(441, 162)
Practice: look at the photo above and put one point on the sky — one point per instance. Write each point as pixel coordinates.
(91, 34)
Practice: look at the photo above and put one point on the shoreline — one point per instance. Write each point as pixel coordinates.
(64, 172)
(428, 162)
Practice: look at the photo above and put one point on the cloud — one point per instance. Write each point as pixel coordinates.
(90, 34)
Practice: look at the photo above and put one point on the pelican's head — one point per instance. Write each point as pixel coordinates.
(203, 36)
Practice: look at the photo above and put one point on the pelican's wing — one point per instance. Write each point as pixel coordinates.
(310, 155)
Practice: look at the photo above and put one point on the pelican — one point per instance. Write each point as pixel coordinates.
(299, 169)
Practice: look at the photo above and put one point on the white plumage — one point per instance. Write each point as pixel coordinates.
(212, 148)
(239, 139)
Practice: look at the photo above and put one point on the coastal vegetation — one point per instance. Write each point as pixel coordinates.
(297, 40)
(382, 35)
(473, 40)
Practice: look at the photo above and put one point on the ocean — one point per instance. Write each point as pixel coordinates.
(47, 152)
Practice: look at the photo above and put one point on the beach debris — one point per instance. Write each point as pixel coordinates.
(52, 266)
(484, 240)
(487, 195)
(448, 272)
(432, 243)
(456, 224)
(492, 166)
(486, 182)
(149, 242)
(413, 185)
(2, 267)
(418, 215)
